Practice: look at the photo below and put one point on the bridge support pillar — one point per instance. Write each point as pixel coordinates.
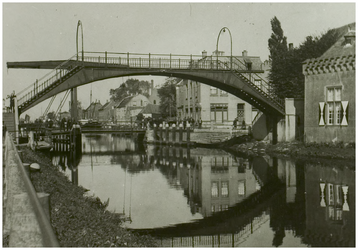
(74, 109)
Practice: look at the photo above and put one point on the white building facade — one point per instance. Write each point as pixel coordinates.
(213, 106)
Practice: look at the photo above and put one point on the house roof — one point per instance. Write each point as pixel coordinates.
(151, 109)
(340, 55)
(124, 102)
(107, 104)
(341, 48)
(93, 105)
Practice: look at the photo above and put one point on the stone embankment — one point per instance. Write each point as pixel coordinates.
(80, 220)
(26, 222)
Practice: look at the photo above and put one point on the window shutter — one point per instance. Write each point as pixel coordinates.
(321, 114)
(345, 111)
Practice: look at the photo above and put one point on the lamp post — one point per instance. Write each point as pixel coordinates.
(78, 25)
(217, 45)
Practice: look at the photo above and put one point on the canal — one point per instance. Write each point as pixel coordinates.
(208, 197)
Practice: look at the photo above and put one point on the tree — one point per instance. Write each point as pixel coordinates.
(278, 53)
(130, 87)
(167, 95)
(286, 74)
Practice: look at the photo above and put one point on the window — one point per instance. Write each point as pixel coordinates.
(213, 91)
(241, 188)
(224, 189)
(223, 93)
(219, 164)
(214, 189)
(240, 113)
(334, 106)
(219, 112)
(334, 200)
(134, 103)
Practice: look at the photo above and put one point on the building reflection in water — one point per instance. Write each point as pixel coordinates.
(260, 201)
(330, 205)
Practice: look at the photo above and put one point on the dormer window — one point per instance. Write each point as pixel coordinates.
(350, 37)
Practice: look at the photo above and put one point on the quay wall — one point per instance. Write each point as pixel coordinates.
(25, 220)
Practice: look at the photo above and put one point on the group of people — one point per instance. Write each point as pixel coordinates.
(66, 124)
(235, 124)
(149, 121)
(190, 121)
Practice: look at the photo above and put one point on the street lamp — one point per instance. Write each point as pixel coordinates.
(217, 45)
(78, 25)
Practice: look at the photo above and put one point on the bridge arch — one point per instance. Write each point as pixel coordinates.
(224, 80)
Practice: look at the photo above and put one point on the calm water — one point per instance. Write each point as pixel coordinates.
(208, 197)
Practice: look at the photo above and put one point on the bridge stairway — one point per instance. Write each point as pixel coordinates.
(32, 96)
(264, 88)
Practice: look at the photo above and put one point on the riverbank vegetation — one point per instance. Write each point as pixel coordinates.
(79, 220)
(312, 152)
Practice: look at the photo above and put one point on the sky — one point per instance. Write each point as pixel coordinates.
(47, 31)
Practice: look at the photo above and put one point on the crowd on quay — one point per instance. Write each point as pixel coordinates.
(151, 123)
(65, 124)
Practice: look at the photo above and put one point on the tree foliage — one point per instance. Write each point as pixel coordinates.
(286, 74)
(167, 95)
(130, 87)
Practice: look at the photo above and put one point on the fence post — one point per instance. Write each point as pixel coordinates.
(167, 133)
(170, 61)
(149, 60)
(128, 58)
(188, 133)
(105, 57)
(180, 133)
(174, 131)
(160, 133)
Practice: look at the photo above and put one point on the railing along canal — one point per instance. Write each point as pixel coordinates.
(17, 182)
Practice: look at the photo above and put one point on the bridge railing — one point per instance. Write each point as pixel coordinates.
(258, 82)
(219, 240)
(163, 61)
(44, 82)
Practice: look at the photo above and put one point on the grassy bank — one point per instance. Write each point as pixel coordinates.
(77, 220)
(300, 150)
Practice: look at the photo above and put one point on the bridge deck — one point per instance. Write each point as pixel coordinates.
(244, 80)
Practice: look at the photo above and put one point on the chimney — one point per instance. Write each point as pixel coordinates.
(204, 53)
(290, 46)
(244, 53)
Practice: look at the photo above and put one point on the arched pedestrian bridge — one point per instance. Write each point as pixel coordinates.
(234, 75)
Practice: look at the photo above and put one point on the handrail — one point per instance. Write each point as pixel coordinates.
(48, 236)
(63, 63)
(264, 86)
(38, 88)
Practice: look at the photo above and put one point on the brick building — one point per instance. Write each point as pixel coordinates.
(330, 92)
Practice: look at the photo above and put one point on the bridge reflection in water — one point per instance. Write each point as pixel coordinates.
(210, 198)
